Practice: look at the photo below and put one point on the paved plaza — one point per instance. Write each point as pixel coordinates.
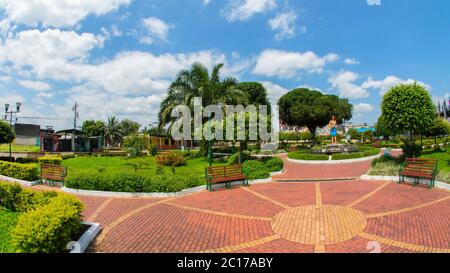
(298, 217)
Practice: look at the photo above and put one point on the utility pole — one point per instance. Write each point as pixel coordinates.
(75, 117)
(11, 111)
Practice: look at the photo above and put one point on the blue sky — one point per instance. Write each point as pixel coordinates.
(117, 57)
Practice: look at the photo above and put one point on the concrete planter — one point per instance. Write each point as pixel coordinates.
(86, 238)
(321, 162)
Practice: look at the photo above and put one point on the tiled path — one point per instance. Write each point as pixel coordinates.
(353, 216)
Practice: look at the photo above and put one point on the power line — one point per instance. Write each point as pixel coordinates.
(44, 118)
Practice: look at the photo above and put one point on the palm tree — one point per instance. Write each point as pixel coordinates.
(113, 132)
(197, 82)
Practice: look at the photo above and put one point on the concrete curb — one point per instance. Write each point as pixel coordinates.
(438, 184)
(21, 182)
(85, 240)
(331, 162)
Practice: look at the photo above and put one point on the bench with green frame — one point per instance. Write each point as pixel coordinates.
(419, 168)
(225, 175)
(53, 173)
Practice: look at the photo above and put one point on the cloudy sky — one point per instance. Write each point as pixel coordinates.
(117, 57)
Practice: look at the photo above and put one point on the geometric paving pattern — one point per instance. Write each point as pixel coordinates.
(278, 218)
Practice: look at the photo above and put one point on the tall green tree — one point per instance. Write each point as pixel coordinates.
(312, 109)
(113, 132)
(257, 94)
(408, 109)
(129, 127)
(440, 127)
(6, 133)
(93, 128)
(198, 82)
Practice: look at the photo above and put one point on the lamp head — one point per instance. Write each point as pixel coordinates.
(18, 104)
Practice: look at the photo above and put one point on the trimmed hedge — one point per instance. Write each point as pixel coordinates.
(27, 172)
(47, 220)
(53, 160)
(131, 182)
(347, 156)
(17, 199)
(48, 228)
(305, 156)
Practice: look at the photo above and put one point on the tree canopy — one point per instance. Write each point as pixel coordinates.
(129, 127)
(257, 94)
(407, 108)
(312, 109)
(93, 128)
(6, 133)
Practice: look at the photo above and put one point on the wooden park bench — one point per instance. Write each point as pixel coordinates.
(53, 173)
(225, 175)
(419, 168)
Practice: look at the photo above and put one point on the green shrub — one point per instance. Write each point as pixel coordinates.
(412, 150)
(171, 159)
(27, 172)
(17, 199)
(48, 228)
(153, 150)
(234, 158)
(273, 164)
(26, 160)
(48, 159)
(307, 156)
(260, 169)
(371, 152)
(132, 182)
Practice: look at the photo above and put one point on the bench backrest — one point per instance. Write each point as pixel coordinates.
(53, 172)
(224, 171)
(420, 165)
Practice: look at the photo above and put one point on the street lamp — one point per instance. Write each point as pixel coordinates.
(11, 112)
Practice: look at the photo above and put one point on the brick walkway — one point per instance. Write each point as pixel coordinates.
(353, 216)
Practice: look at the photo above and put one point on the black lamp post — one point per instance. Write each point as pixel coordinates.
(11, 112)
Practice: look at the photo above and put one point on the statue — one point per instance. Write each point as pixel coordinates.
(333, 129)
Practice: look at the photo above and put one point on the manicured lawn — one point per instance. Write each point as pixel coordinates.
(146, 165)
(8, 221)
(390, 167)
(17, 148)
(442, 156)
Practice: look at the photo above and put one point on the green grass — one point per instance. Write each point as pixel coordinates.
(301, 155)
(17, 148)
(148, 165)
(8, 221)
(387, 166)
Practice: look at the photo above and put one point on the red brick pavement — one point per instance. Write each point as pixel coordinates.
(240, 220)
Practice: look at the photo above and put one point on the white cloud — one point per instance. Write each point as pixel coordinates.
(387, 83)
(374, 2)
(156, 30)
(115, 31)
(284, 64)
(344, 82)
(50, 53)
(57, 13)
(351, 61)
(242, 10)
(206, 2)
(284, 25)
(274, 91)
(363, 108)
(35, 85)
